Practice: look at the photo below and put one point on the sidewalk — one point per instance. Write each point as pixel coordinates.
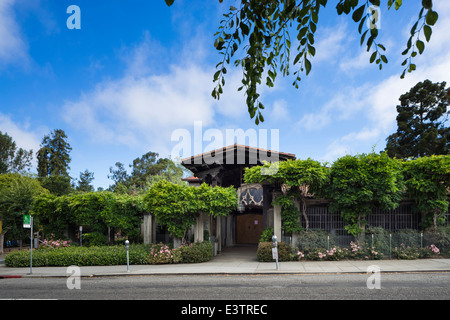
(237, 262)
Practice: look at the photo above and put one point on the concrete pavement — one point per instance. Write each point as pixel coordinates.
(237, 260)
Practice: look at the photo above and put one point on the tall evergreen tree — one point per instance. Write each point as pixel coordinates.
(53, 156)
(84, 183)
(421, 121)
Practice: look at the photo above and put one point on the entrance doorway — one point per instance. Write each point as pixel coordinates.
(249, 228)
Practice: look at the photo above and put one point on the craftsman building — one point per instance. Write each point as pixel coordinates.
(225, 167)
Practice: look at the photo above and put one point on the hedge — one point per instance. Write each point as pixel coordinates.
(104, 255)
(81, 256)
(264, 252)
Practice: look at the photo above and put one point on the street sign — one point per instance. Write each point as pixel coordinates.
(27, 221)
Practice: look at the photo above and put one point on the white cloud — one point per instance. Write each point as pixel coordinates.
(330, 43)
(360, 62)
(13, 49)
(21, 133)
(279, 111)
(130, 110)
(342, 106)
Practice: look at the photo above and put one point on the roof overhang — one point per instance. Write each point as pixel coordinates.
(234, 155)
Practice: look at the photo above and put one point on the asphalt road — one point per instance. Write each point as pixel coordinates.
(395, 286)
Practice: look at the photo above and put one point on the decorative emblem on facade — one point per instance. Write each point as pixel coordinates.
(251, 195)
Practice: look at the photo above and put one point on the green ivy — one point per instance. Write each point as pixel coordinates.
(178, 206)
(428, 180)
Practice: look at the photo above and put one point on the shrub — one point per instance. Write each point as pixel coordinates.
(406, 237)
(285, 252)
(405, 252)
(95, 239)
(410, 253)
(81, 256)
(54, 243)
(193, 253)
(439, 237)
(314, 239)
(161, 254)
(266, 235)
(196, 252)
(363, 252)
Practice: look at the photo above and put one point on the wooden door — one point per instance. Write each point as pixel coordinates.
(249, 228)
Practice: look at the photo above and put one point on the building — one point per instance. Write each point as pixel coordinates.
(225, 167)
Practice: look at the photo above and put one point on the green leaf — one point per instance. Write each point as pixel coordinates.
(311, 50)
(431, 18)
(245, 29)
(427, 31)
(358, 13)
(427, 4)
(373, 56)
(420, 46)
(363, 37)
(307, 66)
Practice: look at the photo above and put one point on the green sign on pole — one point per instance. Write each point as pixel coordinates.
(26, 221)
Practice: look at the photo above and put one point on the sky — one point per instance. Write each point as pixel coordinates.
(138, 73)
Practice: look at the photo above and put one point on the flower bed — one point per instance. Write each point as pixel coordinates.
(354, 252)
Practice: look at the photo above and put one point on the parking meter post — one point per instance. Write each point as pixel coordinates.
(127, 247)
(31, 245)
(275, 250)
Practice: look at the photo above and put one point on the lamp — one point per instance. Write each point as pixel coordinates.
(241, 207)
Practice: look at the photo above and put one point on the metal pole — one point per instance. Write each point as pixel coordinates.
(31, 245)
(127, 247)
(390, 245)
(275, 248)
(421, 240)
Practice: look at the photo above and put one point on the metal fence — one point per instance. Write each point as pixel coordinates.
(402, 218)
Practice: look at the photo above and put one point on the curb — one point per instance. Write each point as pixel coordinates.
(107, 275)
(9, 277)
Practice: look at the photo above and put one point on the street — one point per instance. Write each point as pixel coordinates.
(394, 286)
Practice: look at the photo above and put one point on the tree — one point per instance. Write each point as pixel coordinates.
(357, 183)
(12, 159)
(118, 175)
(17, 193)
(427, 183)
(421, 119)
(84, 183)
(146, 170)
(53, 156)
(260, 31)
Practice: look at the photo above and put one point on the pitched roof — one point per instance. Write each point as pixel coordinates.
(235, 147)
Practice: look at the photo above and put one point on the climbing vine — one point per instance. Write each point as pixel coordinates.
(298, 179)
(178, 206)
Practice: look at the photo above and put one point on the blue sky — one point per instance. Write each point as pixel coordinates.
(139, 70)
